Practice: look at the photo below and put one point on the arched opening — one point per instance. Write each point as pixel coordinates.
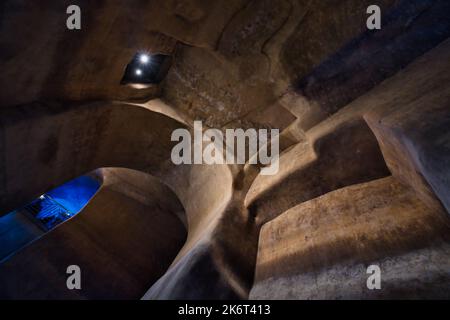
(124, 239)
(22, 226)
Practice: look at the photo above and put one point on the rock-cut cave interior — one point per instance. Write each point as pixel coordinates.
(362, 122)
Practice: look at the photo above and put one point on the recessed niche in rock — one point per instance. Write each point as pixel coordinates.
(147, 69)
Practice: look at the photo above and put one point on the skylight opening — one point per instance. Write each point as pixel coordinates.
(147, 69)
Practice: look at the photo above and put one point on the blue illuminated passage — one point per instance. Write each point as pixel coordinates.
(63, 202)
(26, 224)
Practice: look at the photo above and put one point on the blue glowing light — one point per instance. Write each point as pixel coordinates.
(63, 202)
(74, 194)
(26, 224)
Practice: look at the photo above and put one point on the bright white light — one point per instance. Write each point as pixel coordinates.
(42, 197)
(144, 58)
(138, 72)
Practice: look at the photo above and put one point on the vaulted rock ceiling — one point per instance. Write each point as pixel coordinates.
(364, 120)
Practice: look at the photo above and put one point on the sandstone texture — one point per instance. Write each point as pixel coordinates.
(364, 165)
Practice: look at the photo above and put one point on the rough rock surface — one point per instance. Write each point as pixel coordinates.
(321, 249)
(364, 139)
(109, 240)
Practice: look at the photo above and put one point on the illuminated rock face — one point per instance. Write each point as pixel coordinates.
(364, 120)
(321, 248)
